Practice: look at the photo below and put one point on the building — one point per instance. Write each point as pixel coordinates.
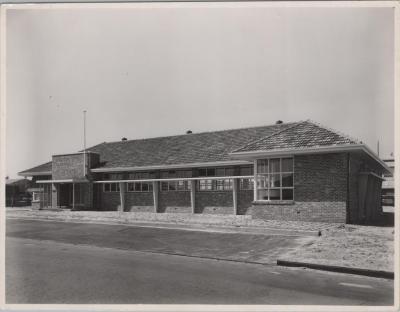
(388, 184)
(287, 171)
(17, 192)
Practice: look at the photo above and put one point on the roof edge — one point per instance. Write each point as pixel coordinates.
(311, 150)
(174, 166)
(31, 174)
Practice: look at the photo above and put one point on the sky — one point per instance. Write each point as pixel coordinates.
(151, 70)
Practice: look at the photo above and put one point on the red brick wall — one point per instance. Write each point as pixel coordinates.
(214, 202)
(320, 191)
(174, 201)
(139, 202)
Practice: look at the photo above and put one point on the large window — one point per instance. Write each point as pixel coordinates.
(275, 179)
(179, 185)
(246, 183)
(111, 187)
(140, 186)
(216, 185)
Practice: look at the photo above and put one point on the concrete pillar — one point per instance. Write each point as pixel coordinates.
(155, 196)
(54, 195)
(193, 195)
(73, 196)
(255, 179)
(235, 196)
(122, 196)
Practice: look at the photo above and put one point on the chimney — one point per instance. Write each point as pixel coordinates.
(189, 132)
(124, 139)
(278, 122)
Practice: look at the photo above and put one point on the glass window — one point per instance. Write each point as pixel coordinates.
(275, 179)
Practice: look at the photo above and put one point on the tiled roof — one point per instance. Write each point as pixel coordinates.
(301, 135)
(38, 169)
(180, 149)
(305, 134)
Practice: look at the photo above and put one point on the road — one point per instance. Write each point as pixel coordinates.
(42, 269)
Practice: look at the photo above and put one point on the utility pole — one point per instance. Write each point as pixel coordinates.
(84, 143)
(378, 147)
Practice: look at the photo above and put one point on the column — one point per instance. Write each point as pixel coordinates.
(54, 197)
(235, 196)
(122, 196)
(193, 195)
(255, 180)
(155, 196)
(73, 196)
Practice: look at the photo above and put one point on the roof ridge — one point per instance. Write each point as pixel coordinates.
(197, 133)
(335, 131)
(268, 136)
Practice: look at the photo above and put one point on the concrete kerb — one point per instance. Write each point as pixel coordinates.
(338, 269)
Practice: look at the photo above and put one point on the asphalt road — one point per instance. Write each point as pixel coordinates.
(42, 270)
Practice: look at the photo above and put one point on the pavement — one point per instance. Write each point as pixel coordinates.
(59, 262)
(263, 249)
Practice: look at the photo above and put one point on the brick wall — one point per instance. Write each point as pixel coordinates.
(302, 211)
(174, 201)
(72, 165)
(320, 191)
(245, 200)
(110, 201)
(214, 202)
(139, 202)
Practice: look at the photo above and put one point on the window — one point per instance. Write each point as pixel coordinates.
(139, 186)
(216, 184)
(178, 185)
(275, 179)
(246, 183)
(111, 187)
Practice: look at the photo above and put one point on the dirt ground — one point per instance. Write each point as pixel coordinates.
(367, 247)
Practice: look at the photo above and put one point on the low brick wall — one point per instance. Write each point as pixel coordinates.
(174, 202)
(214, 202)
(245, 201)
(301, 211)
(139, 202)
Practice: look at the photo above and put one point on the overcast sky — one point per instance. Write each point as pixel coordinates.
(161, 69)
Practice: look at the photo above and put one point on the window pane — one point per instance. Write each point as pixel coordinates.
(274, 194)
(219, 172)
(262, 181)
(181, 185)
(262, 194)
(274, 165)
(106, 187)
(219, 185)
(262, 166)
(164, 186)
(229, 171)
(210, 172)
(150, 186)
(287, 179)
(287, 165)
(172, 185)
(246, 171)
(145, 187)
(117, 187)
(202, 172)
(275, 180)
(202, 185)
(228, 184)
(138, 187)
(130, 187)
(287, 194)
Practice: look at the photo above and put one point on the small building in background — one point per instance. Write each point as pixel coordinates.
(17, 194)
(388, 185)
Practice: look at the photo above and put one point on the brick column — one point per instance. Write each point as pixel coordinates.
(54, 195)
(155, 196)
(235, 196)
(193, 195)
(122, 196)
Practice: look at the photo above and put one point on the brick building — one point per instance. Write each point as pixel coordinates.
(287, 171)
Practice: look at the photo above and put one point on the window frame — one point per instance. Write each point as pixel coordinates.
(267, 178)
(117, 189)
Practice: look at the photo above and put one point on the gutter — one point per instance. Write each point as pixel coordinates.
(311, 150)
